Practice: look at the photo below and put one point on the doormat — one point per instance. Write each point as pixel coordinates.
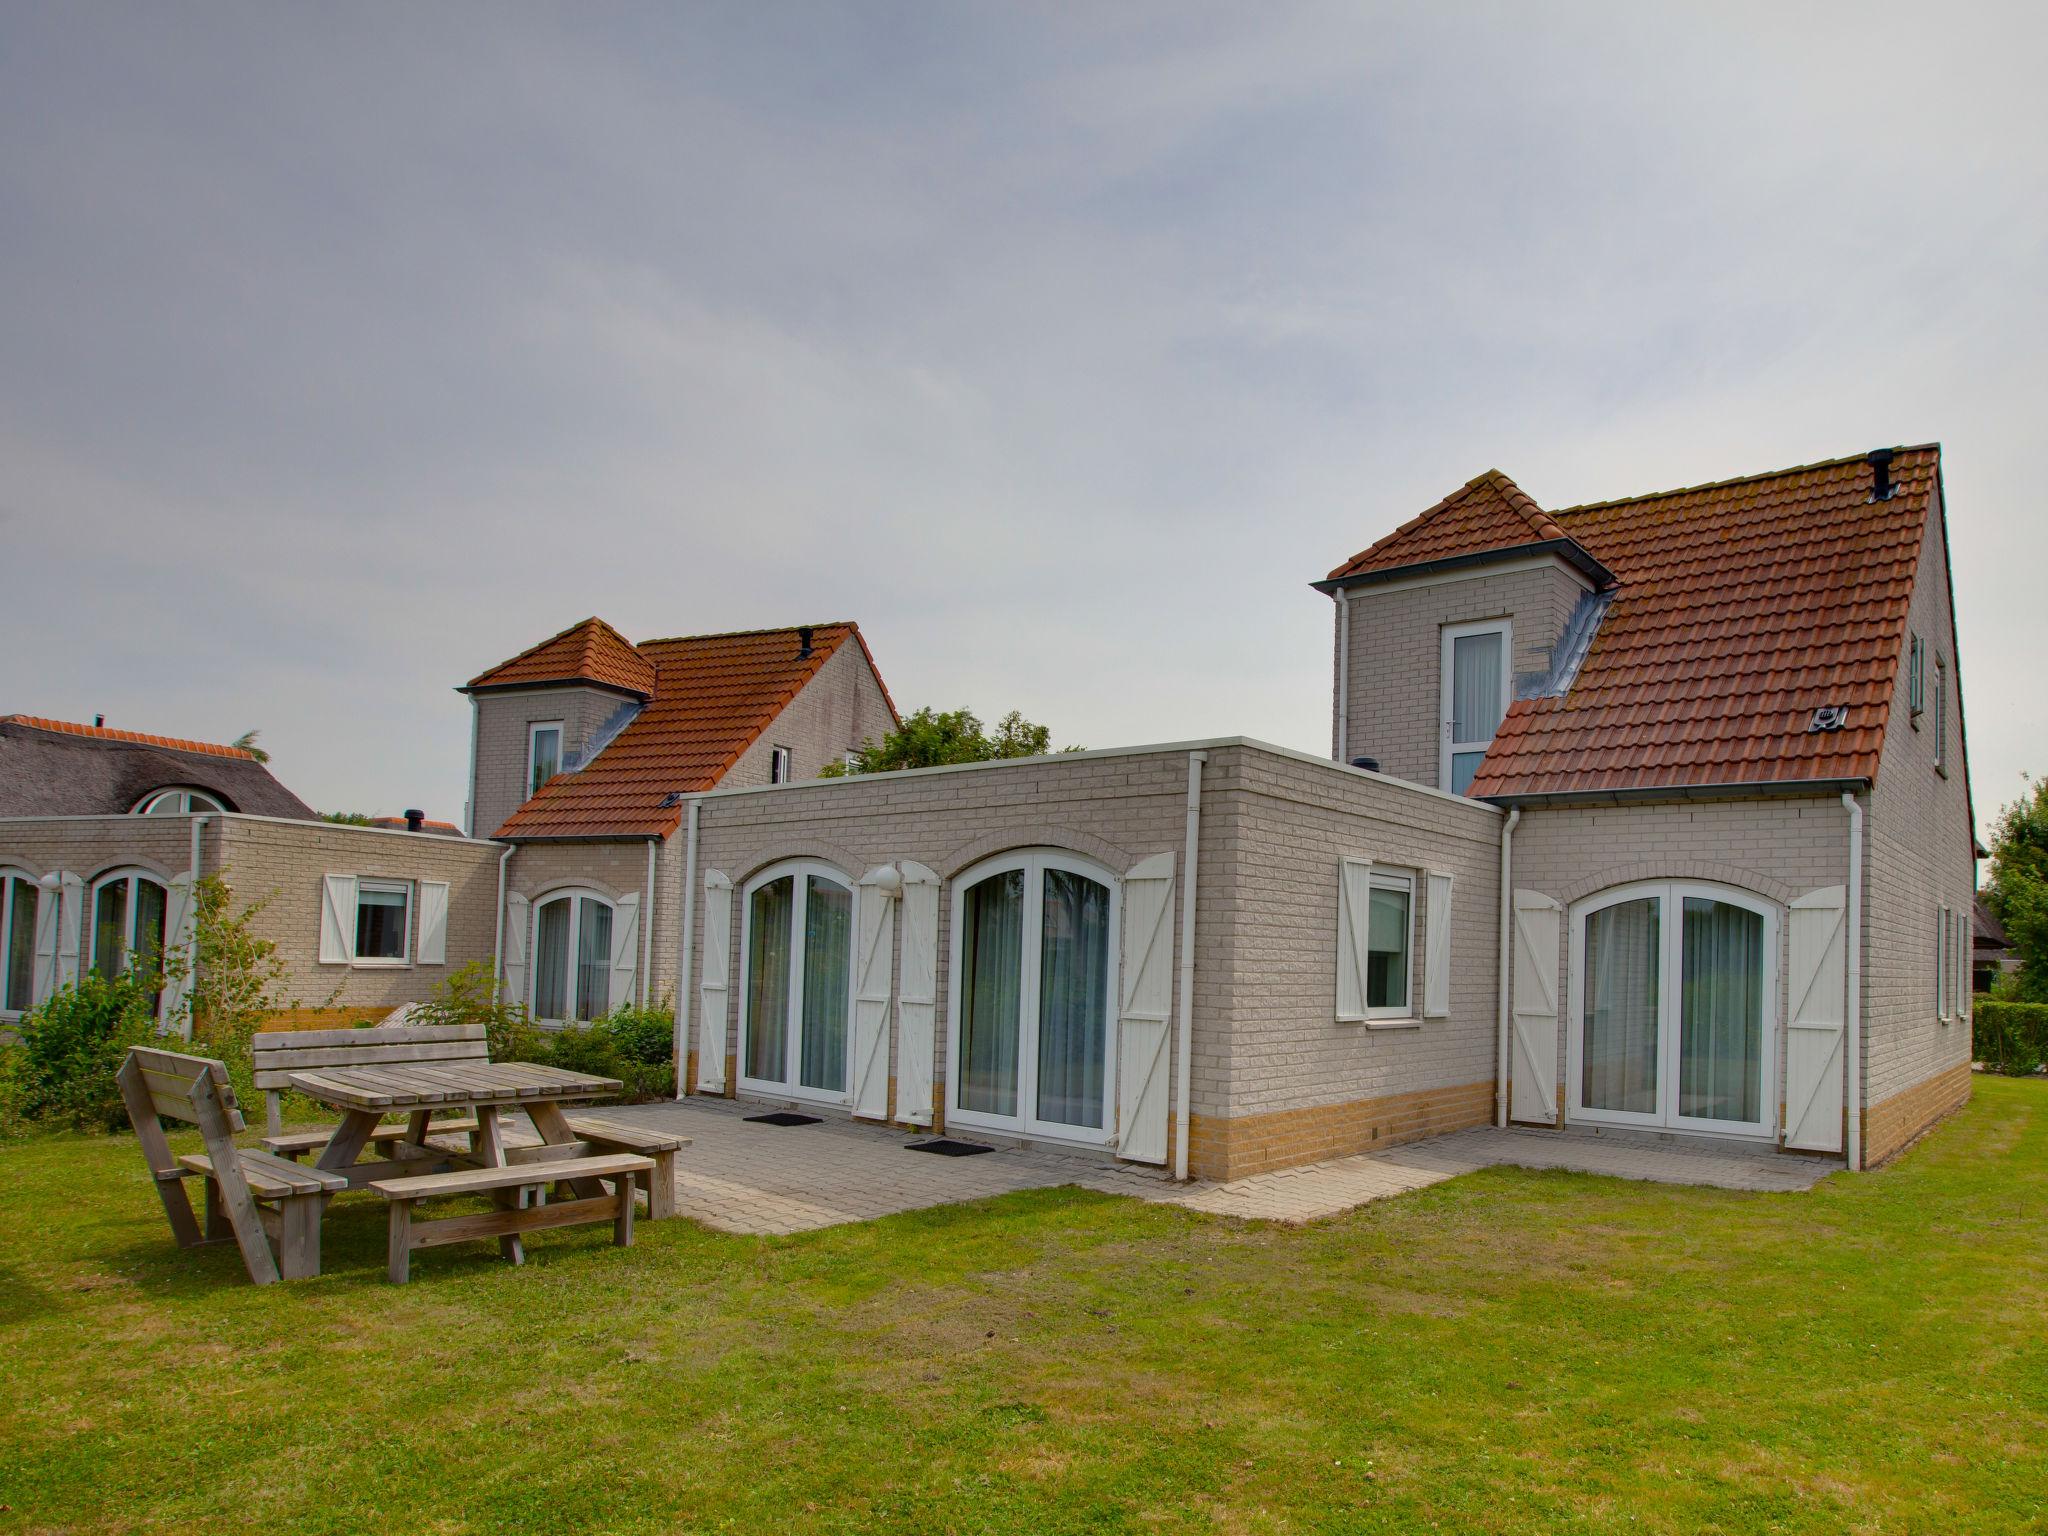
(784, 1117)
(945, 1146)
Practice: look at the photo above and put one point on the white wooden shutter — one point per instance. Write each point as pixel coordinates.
(625, 951)
(433, 949)
(70, 925)
(1941, 1006)
(49, 904)
(917, 996)
(1354, 911)
(1143, 1026)
(712, 970)
(337, 919)
(1816, 1021)
(1966, 976)
(874, 974)
(178, 953)
(512, 963)
(1436, 950)
(1532, 1072)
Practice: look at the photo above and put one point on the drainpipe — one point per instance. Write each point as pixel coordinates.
(647, 929)
(498, 944)
(192, 917)
(687, 955)
(1342, 754)
(1183, 1067)
(1854, 937)
(1507, 923)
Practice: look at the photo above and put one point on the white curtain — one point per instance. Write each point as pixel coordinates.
(1619, 1053)
(828, 978)
(771, 911)
(594, 961)
(992, 960)
(1721, 1025)
(1476, 663)
(1073, 999)
(551, 961)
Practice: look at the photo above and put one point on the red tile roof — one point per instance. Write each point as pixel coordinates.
(1740, 607)
(589, 652)
(108, 733)
(1484, 515)
(712, 697)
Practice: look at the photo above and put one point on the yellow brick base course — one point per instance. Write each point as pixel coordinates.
(1889, 1128)
(1238, 1146)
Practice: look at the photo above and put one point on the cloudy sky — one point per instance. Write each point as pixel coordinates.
(345, 350)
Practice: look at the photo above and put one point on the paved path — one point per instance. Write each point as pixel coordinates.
(742, 1177)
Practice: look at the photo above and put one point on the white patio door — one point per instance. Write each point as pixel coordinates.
(1674, 994)
(1475, 687)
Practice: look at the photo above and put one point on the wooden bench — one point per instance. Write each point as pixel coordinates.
(615, 1205)
(658, 1146)
(270, 1207)
(276, 1056)
(296, 1144)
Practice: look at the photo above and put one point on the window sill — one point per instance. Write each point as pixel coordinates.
(380, 965)
(1393, 1023)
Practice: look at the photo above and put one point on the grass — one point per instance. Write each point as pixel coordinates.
(1510, 1351)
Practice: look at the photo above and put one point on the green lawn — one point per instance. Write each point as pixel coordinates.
(1511, 1351)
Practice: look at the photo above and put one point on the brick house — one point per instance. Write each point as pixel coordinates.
(1644, 817)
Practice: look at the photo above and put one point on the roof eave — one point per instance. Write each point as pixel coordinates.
(1752, 790)
(624, 692)
(1569, 550)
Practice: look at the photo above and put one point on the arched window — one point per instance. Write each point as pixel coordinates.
(20, 902)
(1030, 1047)
(177, 802)
(572, 957)
(128, 908)
(1674, 1008)
(797, 960)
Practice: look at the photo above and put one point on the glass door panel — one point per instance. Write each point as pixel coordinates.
(1721, 1014)
(1073, 1000)
(1619, 1050)
(828, 981)
(991, 1012)
(772, 911)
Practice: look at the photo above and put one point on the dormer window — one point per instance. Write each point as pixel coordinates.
(781, 765)
(177, 802)
(1475, 682)
(543, 753)
(1916, 680)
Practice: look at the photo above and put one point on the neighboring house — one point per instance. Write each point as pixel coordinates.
(585, 749)
(1991, 949)
(103, 832)
(1663, 827)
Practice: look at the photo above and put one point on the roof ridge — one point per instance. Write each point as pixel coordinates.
(1762, 474)
(115, 733)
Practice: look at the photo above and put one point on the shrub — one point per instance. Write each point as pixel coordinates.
(470, 996)
(72, 1044)
(645, 1035)
(2010, 1037)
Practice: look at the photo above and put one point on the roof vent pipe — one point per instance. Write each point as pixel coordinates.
(414, 820)
(98, 721)
(803, 643)
(1881, 486)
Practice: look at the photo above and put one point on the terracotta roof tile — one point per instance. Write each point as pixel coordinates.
(140, 738)
(1487, 513)
(712, 697)
(589, 652)
(1740, 608)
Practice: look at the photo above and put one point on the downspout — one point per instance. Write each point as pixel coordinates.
(1507, 923)
(1854, 920)
(192, 917)
(687, 954)
(1183, 1075)
(1342, 754)
(647, 928)
(498, 944)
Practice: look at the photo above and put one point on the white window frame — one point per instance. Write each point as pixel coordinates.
(528, 789)
(382, 962)
(1451, 634)
(1671, 936)
(792, 1023)
(1916, 680)
(129, 874)
(1034, 862)
(575, 895)
(1942, 944)
(187, 802)
(1940, 717)
(1385, 879)
(9, 873)
(781, 765)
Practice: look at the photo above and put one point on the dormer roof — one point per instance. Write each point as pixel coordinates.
(1487, 518)
(587, 652)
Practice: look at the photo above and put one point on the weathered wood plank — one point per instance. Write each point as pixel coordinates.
(470, 1181)
(380, 1034)
(534, 1218)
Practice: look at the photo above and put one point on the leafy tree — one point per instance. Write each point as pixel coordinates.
(2017, 889)
(347, 818)
(930, 738)
(247, 742)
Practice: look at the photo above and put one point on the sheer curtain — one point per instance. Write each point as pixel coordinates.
(1475, 687)
(594, 961)
(1721, 1024)
(551, 961)
(1073, 999)
(770, 912)
(1619, 1051)
(992, 960)
(828, 981)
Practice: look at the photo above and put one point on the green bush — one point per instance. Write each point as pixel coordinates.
(2010, 1037)
(470, 996)
(72, 1044)
(645, 1035)
(635, 1045)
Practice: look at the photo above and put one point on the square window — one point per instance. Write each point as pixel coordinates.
(383, 911)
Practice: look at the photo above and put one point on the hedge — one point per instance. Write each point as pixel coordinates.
(2011, 1037)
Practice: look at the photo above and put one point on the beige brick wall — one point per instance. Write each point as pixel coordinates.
(1918, 860)
(1396, 661)
(611, 869)
(1774, 848)
(281, 863)
(836, 711)
(498, 787)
